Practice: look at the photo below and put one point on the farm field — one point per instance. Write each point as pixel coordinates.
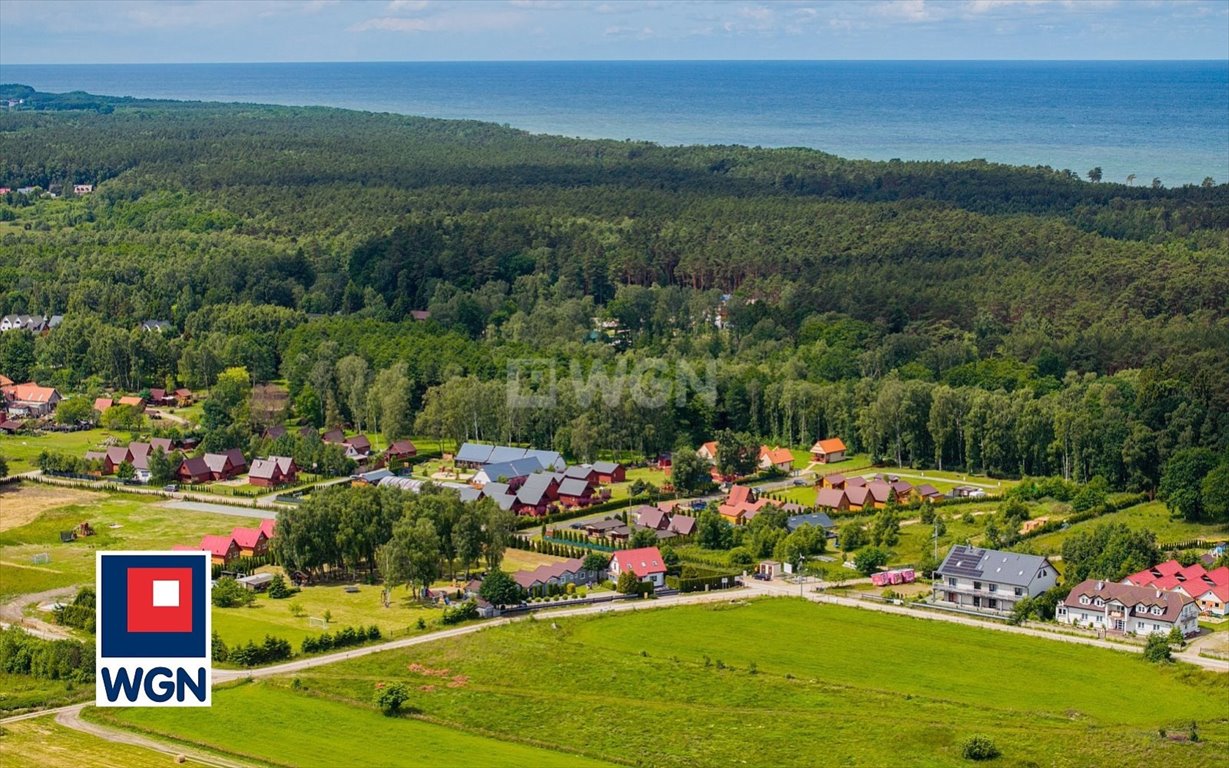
(43, 742)
(1152, 516)
(693, 685)
(142, 524)
(298, 728)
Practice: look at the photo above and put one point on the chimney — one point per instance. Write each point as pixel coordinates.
(1158, 593)
(1100, 585)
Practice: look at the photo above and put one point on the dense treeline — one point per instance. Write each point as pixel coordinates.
(1013, 320)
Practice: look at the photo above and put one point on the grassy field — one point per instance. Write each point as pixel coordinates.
(1152, 516)
(42, 742)
(19, 693)
(281, 726)
(275, 617)
(141, 524)
(22, 451)
(772, 682)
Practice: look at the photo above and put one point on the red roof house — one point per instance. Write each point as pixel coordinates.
(251, 541)
(646, 563)
(221, 549)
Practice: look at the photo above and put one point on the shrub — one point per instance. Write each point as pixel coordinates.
(218, 649)
(389, 698)
(228, 593)
(278, 589)
(1157, 649)
(458, 613)
(980, 748)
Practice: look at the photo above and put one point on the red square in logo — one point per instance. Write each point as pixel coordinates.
(159, 599)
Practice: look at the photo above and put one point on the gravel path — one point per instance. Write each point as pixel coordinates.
(12, 614)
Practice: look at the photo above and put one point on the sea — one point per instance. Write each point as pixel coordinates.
(1146, 120)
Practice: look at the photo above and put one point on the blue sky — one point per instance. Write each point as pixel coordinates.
(133, 31)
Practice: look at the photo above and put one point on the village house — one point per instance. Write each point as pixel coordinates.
(512, 472)
(610, 528)
(357, 447)
(224, 466)
(835, 480)
(828, 451)
(83, 189)
(401, 450)
(155, 326)
(927, 492)
(101, 404)
(333, 436)
(273, 432)
(252, 542)
(136, 402)
(222, 549)
(267, 527)
(779, 459)
(159, 396)
(741, 506)
(29, 400)
(574, 492)
(832, 498)
(814, 519)
(571, 571)
(1209, 589)
(858, 496)
(610, 472)
(646, 563)
(273, 471)
(475, 455)
(183, 397)
(40, 324)
(580, 472)
(708, 452)
(1128, 609)
(194, 471)
(990, 581)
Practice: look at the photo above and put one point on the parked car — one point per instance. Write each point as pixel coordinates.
(800, 481)
(171, 487)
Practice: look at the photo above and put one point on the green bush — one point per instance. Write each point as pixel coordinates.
(458, 613)
(228, 593)
(1157, 649)
(980, 748)
(389, 698)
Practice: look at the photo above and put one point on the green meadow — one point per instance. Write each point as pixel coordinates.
(803, 684)
(276, 725)
(1151, 517)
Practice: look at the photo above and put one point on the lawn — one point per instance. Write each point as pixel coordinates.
(42, 742)
(142, 524)
(274, 617)
(22, 451)
(282, 726)
(741, 683)
(1152, 516)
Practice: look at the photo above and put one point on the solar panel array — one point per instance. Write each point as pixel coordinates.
(963, 561)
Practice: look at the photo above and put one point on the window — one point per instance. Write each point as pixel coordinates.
(977, 585)
(1141, 608)
(992, 604)
(1084, 600)
(1156, 610)
(994, 587)
(1099, 602)
(1062, 611)
(1019, 591)
(951, 582)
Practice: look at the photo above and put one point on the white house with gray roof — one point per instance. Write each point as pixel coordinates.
(990, 581)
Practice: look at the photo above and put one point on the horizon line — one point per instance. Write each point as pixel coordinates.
(617, 61)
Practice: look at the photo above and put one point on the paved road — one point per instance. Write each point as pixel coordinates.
(222, 509)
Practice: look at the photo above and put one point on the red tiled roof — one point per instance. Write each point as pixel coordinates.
(267, 527)
(30, 392)
(246, 538)
(776, 455)
(642, 562)
(218, 546)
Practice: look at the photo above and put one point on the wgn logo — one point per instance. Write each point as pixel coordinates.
(153, 629)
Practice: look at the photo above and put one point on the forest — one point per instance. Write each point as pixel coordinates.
(1018, 321)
